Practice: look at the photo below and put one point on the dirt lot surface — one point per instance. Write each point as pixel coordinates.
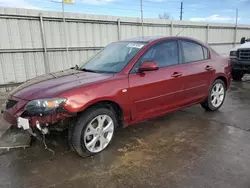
(188, 148)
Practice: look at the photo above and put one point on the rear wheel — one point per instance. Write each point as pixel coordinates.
(94, 131)
(216, 96)
(237, 75)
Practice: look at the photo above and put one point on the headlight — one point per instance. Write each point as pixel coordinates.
(43, 106)
(233, 53)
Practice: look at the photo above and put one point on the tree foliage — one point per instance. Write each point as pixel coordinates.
(164, 15)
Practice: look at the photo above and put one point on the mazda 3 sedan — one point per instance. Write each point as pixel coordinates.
(127, 82)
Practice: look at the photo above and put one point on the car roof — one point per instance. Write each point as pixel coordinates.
(153, 38)
(149, 39)
(143, 39)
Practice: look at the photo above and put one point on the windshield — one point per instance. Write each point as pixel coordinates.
(113, 58)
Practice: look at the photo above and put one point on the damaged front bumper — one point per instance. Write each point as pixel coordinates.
(14, 113)
(38, 126)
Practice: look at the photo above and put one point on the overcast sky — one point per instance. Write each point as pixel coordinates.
(194, 10)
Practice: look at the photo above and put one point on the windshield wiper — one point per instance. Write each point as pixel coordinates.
(88, 70)
(97, 71)
(76, 67)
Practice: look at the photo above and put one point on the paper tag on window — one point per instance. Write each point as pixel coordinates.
(135, 45)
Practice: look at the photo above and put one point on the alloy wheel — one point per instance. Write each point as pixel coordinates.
(98, 133)
(217, 95)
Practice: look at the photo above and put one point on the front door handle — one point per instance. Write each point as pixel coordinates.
(208, 68)
(176, 74)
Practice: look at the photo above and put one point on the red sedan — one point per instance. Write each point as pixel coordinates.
(127, 82)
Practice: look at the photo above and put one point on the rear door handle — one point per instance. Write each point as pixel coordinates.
(176, 74)
(208, 68)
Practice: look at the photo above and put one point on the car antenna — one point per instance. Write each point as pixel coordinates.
(181, 31)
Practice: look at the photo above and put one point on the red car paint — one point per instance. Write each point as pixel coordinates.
(140, 95)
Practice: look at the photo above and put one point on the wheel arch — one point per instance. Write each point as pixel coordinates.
(109, 104)
(224, 79)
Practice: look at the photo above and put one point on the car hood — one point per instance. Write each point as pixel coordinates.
(242, 46)
(52, 84)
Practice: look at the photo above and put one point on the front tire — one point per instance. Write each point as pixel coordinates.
(216, 96)
(93, 131)
(237, 75)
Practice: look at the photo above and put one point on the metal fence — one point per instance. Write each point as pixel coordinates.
(33, 42)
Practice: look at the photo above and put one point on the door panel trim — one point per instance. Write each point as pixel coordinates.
(159, 96)
(203, 85)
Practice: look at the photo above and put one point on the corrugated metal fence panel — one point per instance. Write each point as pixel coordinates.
(100, 34)
(16, 34)
(222, 49)
(8, 67)
(87, 34)
(39, 63)
(25, 35)
(156, 30)
(54, 34)
(19, 67)
(34, 65)
(130, 31)
(4, 35)
(35, 32)
(74, 58)
(242, 33)
(2, 72)
(58, 60)
(23, 32)
(217, 35)
(197, 33)
(73, 34)
(85, 55)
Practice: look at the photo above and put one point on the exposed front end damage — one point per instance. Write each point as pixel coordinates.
(38, 125)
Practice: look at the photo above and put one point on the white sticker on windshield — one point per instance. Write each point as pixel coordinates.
(135, 45)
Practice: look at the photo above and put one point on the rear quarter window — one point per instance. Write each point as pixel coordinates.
(206, 53)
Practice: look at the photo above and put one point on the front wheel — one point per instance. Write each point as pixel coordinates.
(216, 96)
(93, 131)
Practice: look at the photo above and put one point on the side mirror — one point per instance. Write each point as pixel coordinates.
(148, 66)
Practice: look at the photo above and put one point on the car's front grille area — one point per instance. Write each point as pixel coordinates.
(10, 104)
(244, 54)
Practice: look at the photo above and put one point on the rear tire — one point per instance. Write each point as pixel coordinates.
(93, 131)
(237, 75)
(216, 97)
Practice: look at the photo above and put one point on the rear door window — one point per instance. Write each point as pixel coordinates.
(192, 52)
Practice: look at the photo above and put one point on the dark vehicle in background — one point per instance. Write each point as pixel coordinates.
(240, 56)
(127, 82)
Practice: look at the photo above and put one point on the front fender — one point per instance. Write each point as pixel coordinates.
(113, 90)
